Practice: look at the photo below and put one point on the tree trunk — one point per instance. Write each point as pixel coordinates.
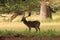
(13, 16)
(45, 11)
(16, 13)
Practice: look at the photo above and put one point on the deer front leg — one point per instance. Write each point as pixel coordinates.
(29, 29)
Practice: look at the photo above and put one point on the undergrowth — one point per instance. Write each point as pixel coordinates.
(49, 33)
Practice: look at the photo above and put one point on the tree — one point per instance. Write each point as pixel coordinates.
(18, 6)
(46, 10)
(23, 5)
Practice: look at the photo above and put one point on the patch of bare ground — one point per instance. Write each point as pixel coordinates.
(29, 38)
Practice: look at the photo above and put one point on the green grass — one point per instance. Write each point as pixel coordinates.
(49, 33)
(52, 20)
(47, 20)
(7, 33)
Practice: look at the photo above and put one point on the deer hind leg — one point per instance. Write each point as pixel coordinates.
(36, 29)
(29, 29)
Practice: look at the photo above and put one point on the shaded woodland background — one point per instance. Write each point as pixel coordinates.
(44, 8)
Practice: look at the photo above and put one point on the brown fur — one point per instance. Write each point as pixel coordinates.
(31, 24)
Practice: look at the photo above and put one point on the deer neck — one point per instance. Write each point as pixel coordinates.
(25, 21)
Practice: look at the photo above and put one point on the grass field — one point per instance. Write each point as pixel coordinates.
(17, 25)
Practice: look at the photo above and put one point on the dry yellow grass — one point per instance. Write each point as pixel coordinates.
(19, 26)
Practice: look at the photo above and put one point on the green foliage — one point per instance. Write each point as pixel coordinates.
(55, 4)
(7, 33)
(33, 5)
(14, 5)
(49, 33)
